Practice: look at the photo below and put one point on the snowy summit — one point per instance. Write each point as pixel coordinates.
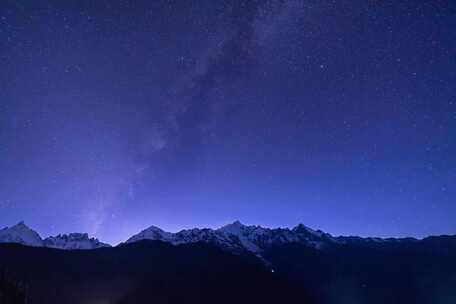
(21, 234)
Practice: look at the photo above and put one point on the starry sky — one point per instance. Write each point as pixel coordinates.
(118, 115)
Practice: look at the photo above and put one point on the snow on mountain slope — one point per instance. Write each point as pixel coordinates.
(152, 233)
(185, 236)
(237, 237)
(73, 241)
(234, 237)
(20, 234)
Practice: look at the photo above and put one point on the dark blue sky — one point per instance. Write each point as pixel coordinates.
(116, 115)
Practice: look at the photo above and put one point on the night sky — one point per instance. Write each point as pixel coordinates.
(118, 115)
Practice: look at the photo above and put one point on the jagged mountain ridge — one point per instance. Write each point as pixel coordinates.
(73, 241)
(22, 234)
(235, 237)
(239, 238)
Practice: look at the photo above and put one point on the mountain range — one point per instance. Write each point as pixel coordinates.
(233, 264)
(235, 237)
(22, 234)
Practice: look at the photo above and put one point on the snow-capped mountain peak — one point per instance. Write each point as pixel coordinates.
(21, 234)
(235, 228)
(73, 241)
(304, 229)
(152, 233)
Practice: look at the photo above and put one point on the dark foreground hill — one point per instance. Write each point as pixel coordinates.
(142, 272)
(355, 271)
(363, 272)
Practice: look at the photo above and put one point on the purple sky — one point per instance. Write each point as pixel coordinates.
(118, 115)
